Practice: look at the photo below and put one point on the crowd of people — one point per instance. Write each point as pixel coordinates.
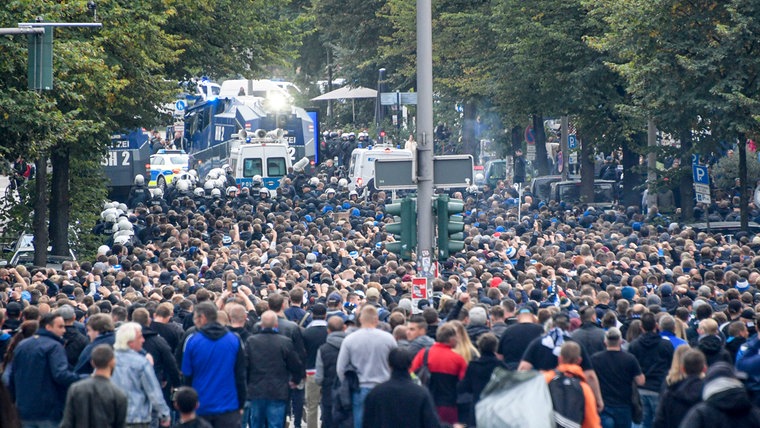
(249, 307)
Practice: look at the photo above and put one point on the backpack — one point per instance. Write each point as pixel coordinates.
(567, 399)
(423, 373)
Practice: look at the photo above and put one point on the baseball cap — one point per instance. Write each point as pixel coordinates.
(334, 297)
(372, 292)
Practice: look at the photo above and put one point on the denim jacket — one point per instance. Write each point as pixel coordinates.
(135, 376)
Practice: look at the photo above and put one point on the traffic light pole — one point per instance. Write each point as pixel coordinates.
(424, 153)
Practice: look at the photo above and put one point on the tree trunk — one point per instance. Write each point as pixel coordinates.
(686, 184)
(517, 138)
(60, 202)
(469, 137)
(744, 202)
(39, 220)
(587, 171)
(541, 164)
(632, 178)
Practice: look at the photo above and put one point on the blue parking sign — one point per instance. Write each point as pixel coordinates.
(699, 173)
(572, 141)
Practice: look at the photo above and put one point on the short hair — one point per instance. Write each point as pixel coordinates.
(164, 310)
(498, 312)
(101, 356)
(185, 399)
(430, 315)
(236, 312)
(667, 323)
(207, 309)
(141, 316)
(487, 343)
(275, 302)
(399, 359)
(445, 333)
(369, 315)
(561, 321)
(296, 295)
(704, 311)
(735, 328)
(708, 326)
(396, 319)
(125, 334)
(48, 319)
(419, 320)
(119, 313)
(570, 353)
(648, 322)
(335, 324)
(269, 319)
(102, 323)
(694, 362)
(508, 305)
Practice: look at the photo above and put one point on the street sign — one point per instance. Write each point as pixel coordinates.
(409, 98)
(394, 174)
(695, 159)
(531, 153)
(388, 98)
(452, 171)
(572, 142)
(419, 292)
(699, 173)
(448, 171)
(179, 105)
(393, 98)
(702, 188)
(530, 135)
(703, 198)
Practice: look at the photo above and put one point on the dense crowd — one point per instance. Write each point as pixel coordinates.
(258, 305)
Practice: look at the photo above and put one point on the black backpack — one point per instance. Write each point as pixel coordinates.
(568, 400)
(423, 373)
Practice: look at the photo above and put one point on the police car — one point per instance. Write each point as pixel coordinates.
(164, 165)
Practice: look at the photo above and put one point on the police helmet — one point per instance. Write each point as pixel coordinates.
(104, 250)
(212, 175)
(220, 183)
(158, 193)
(110, 218)
(183, 185)
(343, 183)
(139, 180)
(216, 193)
(232, 189)
(208, 185)
(227, 169)
(123, 239)
(264, 191)
(256, 180)
(124, 224)
(198, 191)
(313, 181)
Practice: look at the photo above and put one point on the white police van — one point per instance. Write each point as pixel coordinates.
(264, 155)
(362, 167)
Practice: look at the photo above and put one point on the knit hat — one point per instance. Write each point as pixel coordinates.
(628, 292)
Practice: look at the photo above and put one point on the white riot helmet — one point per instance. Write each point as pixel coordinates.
(263, 191)
(198, 191)
(103, 250)
(216, 193)
(123, 208)
(122, 239)
(139, 180)
(232, 190)
(193, 174)
(183, 185)
(110, 218)
(313, 181)
(208, 185)
(212, 175)
(343, 183)
(227, 169)
(220, 183)
(158, 193)
(256, 180)
(124, 224)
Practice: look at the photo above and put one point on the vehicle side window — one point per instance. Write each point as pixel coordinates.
(276, 167)
(352, 168)
(157, 160)
(251, 167)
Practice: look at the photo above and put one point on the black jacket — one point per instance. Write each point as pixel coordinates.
(399, 402)
(164, 363)
(591, 337)
(83, 364)
(676, 400)
(272, 362)
(654, 355)
(328, 354)
(314, 336)
(712, 347)
(95, 402)
(476, 378)
(74, 342)
(727, 409)
(171, 332)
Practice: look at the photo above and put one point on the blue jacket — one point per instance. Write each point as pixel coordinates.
(40, 376)
(675, 340)
(214, 363)
(83, 364)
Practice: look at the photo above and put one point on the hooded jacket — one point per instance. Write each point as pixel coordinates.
(712, 347)
(214, 363)
(676, 400)
(726, 405)
(654, 355)
(272, 362)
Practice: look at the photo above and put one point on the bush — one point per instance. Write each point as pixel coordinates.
(727, 170)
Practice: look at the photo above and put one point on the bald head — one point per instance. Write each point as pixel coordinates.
(269, 319)
(369, 317)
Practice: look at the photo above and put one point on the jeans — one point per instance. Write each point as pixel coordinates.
(313, 396)
(357, 401)
(616, 417)
(39, 424)
(268, 413)
(224, 420)
(649, 404)
(296, 401)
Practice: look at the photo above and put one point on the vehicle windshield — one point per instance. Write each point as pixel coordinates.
(252, 166)
(571, 193)
(276, 167)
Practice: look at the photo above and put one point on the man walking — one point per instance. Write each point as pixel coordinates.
(366, 351)
(616, 370)
(214, 363)
(100, 331)
(654, 355)
(40, 375)
(416, 334)
(325, 376)
(96, 402)
(273, 368)
(314, 336)
(135, 376)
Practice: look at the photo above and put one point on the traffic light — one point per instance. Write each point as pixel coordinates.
(450, 226)
(404, 228)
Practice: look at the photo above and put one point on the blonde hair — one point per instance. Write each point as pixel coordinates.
(464, 345)
(676, 373)
(125, 334)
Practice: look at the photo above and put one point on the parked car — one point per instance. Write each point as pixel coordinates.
(23, 254)
(570, 193)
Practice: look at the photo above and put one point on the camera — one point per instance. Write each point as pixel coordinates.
(234, 287)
